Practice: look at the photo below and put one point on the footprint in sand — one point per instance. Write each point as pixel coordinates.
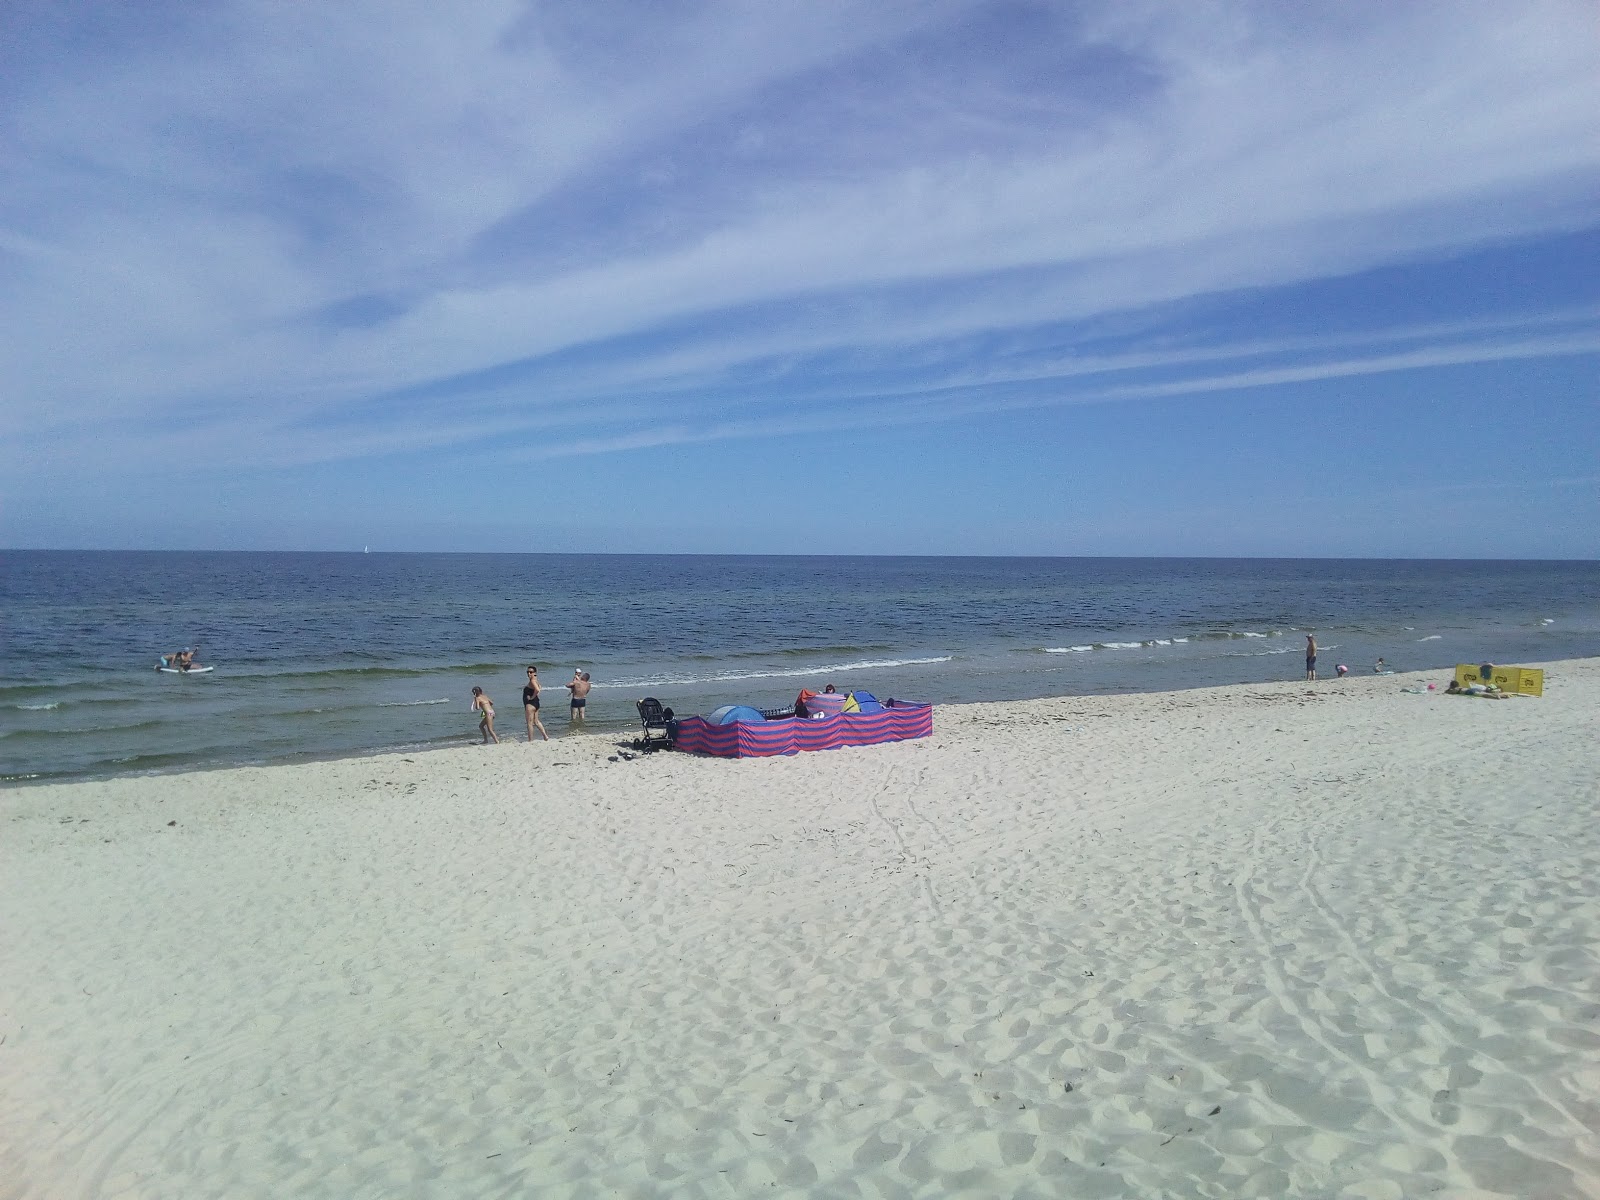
(1445, 1109)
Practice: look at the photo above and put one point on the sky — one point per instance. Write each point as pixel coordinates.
(1198, 277)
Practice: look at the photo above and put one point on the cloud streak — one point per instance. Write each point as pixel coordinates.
(306, 231)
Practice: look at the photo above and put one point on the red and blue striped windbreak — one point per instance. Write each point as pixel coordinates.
(762, 739)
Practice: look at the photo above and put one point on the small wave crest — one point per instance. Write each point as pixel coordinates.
(412, 703)
(39, 707)
(790, 652)
(1432, 637)
(49, 736)
(796, 673)
(1084, 649)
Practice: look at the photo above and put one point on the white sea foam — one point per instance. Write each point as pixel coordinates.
(412, 703)
(1432, 637)
(792, 673)
(39, 707)
(1547, 620)
(1247, 633)
(1113, 646)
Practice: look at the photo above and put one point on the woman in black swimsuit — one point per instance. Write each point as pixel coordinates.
(530, 703)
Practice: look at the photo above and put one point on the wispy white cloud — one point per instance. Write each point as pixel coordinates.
(306, 231)
(696, 410)
(868, 410)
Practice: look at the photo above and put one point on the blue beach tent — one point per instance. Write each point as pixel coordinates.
(729, 713)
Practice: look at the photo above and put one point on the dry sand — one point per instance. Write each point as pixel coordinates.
(1329, 940)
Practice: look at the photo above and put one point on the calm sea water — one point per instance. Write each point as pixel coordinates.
(320, 655)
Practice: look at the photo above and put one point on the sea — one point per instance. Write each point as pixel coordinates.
(324, 655)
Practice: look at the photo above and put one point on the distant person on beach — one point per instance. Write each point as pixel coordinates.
(1381, 668)
(830, 690)
(483, 705)
(579, 687)
(1311, 656)
(530, 703)
(1341, 670)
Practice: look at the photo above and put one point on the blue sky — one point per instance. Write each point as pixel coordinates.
(1200, 277)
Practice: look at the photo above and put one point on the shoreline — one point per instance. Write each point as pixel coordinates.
(626, 731)
(1267, 939)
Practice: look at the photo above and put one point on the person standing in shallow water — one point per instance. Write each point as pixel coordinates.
(1311, 656)
(530, 703)
(579, 687)
(485, 706)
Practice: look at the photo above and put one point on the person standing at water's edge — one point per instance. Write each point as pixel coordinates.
(579, 687)
(530, 703)
(483, 705)
(1311, 656)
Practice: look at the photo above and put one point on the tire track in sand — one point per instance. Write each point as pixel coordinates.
(921, 868)
(1381, 1095)
(1438, 1019)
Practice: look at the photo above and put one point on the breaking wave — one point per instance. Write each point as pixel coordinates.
(786, 673)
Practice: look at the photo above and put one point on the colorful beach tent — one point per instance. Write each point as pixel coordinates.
(826, 703)
(761, 738)
(729, 713)
(861, 702)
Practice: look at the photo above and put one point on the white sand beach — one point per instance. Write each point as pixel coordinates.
(1287, 939)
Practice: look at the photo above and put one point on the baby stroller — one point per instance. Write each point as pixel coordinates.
(660, 729)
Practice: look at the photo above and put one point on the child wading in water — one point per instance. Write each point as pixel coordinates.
(482, 704)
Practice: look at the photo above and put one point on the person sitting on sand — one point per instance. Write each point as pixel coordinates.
(1381, 668)
(482, 704)
(1453, 688)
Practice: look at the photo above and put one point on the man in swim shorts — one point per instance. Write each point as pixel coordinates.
(530, 703)
(579, 687)
(1311, 656)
